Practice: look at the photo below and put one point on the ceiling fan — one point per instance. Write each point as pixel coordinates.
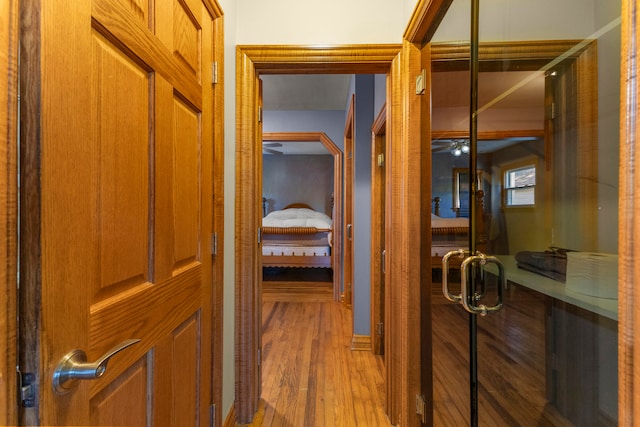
(459, 146)
(268, 148)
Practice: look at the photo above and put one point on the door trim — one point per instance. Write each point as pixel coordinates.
(423, 25)
(250, 62)
(334, 151)
(629, 270)
(349, 171)
(9, 38)
(378, 215)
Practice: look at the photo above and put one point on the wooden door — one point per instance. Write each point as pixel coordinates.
(349, 164)
(117, 208)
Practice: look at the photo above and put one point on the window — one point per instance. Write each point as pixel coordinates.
(519, 185)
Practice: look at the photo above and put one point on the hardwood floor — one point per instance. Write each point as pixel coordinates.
(310, 376)
(511, 363)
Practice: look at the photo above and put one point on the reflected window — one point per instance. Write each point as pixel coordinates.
(519, 183)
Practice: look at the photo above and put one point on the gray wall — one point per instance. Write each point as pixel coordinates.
(298, 179)
(331, 122)
(364, 117)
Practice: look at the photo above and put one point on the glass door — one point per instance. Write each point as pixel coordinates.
(525, 322)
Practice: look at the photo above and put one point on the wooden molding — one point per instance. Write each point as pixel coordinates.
(250, 62)
(425, 20)
(230, 419)
(338, 59)
(378, 220)
(361, 343)
(629, 221)
(337, 192)
(8, 214)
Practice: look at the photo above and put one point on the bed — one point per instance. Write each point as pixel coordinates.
(296, 236)
(448, 234)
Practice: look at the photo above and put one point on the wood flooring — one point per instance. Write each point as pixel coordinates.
(311, 377)
(511, 363)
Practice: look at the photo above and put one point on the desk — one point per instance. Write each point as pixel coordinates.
(557, 290)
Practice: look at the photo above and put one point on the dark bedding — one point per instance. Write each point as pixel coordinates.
(551, 263)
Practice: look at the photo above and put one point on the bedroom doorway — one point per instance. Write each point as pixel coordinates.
(330, 202)
(252, 61)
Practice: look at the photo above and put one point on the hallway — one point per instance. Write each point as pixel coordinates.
(310, 375)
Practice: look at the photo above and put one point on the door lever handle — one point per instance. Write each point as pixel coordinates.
(74, 366)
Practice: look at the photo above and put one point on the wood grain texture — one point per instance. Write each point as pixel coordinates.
(511, 363)
(629, 222)
(311, 377)
(114, 146)
(378, 230)
(8, 212)
(349, 201)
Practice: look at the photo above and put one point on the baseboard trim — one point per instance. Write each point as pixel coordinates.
(361, 343)
(230, 420)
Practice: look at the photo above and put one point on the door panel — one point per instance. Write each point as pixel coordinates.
(126, 216)
(548, 357)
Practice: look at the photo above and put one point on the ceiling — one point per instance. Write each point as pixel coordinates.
(305, 91)
(450, 90)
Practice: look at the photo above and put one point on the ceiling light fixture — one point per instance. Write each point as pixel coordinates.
(459, 147)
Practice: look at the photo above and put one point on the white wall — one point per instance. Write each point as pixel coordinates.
(297, 23)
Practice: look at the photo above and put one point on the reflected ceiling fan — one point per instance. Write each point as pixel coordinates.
(457, 146)
(268, 148)
(460, 146)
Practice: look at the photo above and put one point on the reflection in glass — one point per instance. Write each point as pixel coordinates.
(548, 147)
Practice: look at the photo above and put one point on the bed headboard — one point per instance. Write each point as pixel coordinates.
(298, 206)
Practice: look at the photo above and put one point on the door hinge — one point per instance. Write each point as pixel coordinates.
(259, 235)
(259, 357)
(27, 389)
(260, 114)
(214, 243)
(212, 415)
(214, 72)
(380, 160)
(421, 408)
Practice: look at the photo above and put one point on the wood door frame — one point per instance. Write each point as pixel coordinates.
(252, 61)
(378, 217)
(336, 153)
(349, 173)
(424, 24)
(9, 39)
(629, 269)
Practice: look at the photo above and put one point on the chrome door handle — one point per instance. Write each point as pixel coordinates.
(445, 275)
(73, 366)
(469, 296)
